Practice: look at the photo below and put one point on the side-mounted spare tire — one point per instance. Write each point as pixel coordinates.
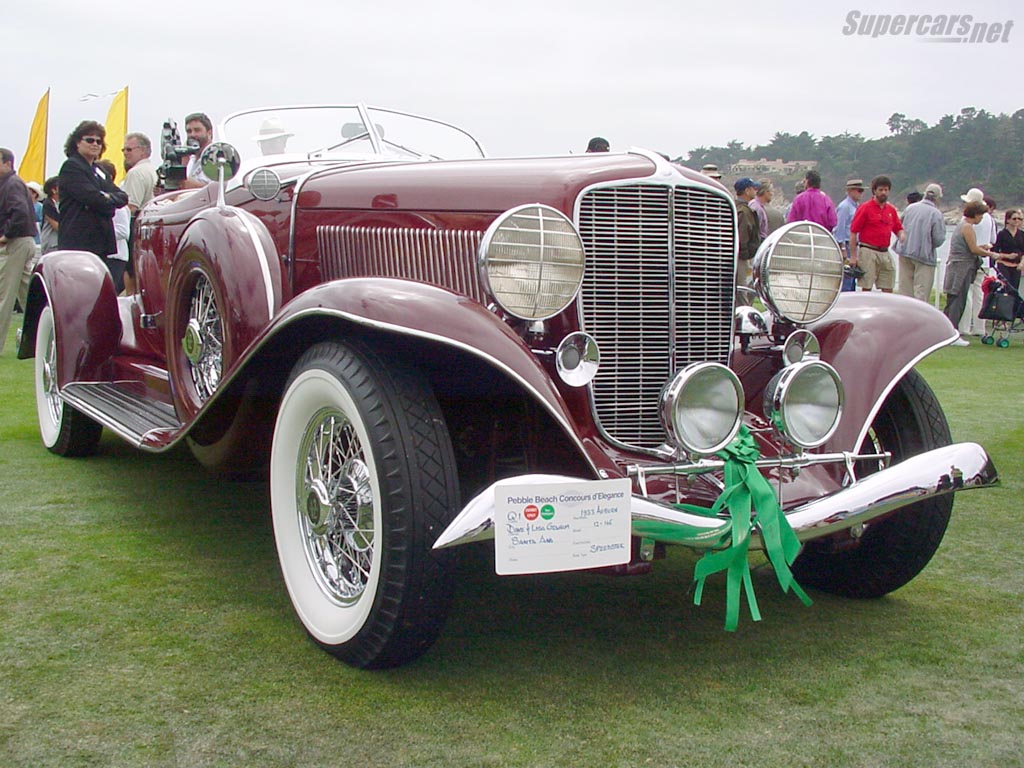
(362, 482)
(894, 549)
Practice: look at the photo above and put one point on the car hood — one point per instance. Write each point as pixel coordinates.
(469, 185)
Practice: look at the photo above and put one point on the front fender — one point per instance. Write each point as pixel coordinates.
(872, 340)
(80, 291)
(409, 309)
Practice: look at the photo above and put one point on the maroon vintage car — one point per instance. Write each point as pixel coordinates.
(549, 354)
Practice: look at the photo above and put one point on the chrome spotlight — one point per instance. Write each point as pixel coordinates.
(804, 402)
(800, 345)
(577, 359)
(701, 408)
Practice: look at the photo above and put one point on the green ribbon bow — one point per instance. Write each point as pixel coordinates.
(745, 490)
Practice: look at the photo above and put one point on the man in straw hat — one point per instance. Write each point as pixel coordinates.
(711, 171)
(844, 217)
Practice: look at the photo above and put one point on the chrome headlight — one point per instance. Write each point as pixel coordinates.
(804, 402)
(531, 260)
(798, 271)
(701, 408)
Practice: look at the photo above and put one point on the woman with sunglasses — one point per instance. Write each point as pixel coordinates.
(1010, 245)
(88, 198)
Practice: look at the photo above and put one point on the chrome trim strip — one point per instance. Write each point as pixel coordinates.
(261, 252)
(934, 473)
(869, 420)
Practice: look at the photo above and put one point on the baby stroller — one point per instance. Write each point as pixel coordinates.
(1002, 305)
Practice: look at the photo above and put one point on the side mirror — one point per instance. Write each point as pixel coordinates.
(220, 157)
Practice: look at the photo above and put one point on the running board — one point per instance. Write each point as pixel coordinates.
(119, 407)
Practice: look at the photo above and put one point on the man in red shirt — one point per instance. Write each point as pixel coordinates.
(874, 224)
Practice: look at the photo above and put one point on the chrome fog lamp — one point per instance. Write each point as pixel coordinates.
(701, 408)
(577, 359)
(804, 402)
(531, 261)
(798, 271)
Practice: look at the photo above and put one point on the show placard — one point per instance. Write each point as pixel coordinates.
(561, 526)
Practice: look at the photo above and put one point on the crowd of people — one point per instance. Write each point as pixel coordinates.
(868, 232)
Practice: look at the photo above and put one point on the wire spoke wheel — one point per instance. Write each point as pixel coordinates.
(203, 341)
(362, 482)
(335, 502)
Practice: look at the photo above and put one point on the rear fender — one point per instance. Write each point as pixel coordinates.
(80, 291)
(872, 340)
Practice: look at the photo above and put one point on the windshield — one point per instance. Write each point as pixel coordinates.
(345, 131)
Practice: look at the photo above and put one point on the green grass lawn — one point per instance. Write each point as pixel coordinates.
(144, 622)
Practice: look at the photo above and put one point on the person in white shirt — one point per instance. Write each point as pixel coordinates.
(199, 130)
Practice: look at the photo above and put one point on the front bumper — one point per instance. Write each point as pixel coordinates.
(935, 473)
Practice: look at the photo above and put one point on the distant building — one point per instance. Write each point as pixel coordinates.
(778, 167)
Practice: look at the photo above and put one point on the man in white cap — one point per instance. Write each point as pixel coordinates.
(926, 231)
(272, 137)
(985, 233)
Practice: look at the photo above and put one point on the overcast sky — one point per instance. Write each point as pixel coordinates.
(526, 77)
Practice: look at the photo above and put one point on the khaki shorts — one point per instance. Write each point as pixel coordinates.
(878, 269)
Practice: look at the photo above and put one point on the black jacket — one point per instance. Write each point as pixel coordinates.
(17, 214)
(748, 228)
(87, 204)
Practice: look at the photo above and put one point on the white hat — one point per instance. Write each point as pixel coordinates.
(272, 128)
(974, 195)
(933, 191)
(35, 187)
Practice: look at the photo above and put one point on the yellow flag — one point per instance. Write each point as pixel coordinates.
(33, 162)
(117, 127)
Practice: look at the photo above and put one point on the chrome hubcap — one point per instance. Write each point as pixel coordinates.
(203, 340)
(335, 506)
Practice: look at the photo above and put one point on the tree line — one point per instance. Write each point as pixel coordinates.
(972, 149)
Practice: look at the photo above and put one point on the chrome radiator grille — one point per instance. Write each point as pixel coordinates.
(658, 294)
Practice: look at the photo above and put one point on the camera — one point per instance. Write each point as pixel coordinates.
(172, 172)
